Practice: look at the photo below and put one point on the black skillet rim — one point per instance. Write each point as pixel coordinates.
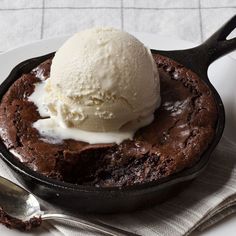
(22, 169)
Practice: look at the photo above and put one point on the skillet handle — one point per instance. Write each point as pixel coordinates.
(199, 58)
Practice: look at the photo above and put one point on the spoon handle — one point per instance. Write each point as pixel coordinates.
(99, 226)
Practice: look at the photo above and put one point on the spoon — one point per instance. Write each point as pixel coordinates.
(18, 203)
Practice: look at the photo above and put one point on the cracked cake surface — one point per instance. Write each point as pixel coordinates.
(183, 127)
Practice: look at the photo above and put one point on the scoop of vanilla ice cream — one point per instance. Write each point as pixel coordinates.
(103, 79)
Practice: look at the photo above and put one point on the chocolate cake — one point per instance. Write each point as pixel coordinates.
(183, 128)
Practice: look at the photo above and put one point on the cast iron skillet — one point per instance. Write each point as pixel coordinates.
(107, 200)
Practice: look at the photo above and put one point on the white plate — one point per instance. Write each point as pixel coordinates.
(221, 74)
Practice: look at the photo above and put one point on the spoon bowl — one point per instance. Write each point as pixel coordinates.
(18, 202)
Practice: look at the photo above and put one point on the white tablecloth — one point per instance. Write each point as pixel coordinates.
(23, 21)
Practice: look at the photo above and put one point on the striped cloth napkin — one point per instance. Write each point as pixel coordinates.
(208, 199)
